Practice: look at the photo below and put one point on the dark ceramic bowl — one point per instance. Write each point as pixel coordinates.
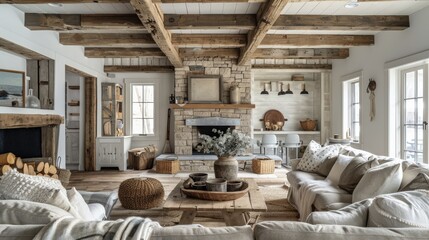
(198, 177)
(216, 185)
(234, 185)
(199, 186)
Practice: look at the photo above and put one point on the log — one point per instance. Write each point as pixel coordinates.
(55, 176)
(31, 170)
(46, 168)
(25, 169)
(5, 169)
(52, 170)
(7, 158)
(18, 163)
(40, 167)
(40, 174)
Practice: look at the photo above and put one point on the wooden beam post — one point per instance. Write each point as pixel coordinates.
(90, 123)
(269, 13)
(152, 19)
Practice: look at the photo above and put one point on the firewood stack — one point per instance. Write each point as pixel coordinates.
(9, 161)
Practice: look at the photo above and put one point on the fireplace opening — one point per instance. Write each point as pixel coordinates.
(23, 142)
(208, 130)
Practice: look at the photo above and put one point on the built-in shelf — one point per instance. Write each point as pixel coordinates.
(73, 104)
(285, 132)
(74, 87)
(212, 106)
(74, 114)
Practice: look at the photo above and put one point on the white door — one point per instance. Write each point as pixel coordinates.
(414, 115)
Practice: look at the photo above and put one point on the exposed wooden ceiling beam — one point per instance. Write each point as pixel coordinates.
(298, 40)
(302, 53)
(18, 49)
(113, 68)
(331, 22)
(108, 39)
(269, 13)
(152, 18)
(171, 1)
(209, 40)
(292, 66)
(209, 52)
(210, 21)
(123, 52)
(61, 1)
(64, 22)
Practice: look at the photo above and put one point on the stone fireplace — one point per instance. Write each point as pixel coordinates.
(186, 119)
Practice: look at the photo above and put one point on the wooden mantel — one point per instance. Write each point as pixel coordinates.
(8, 121)
(213, 106)
(50, 125)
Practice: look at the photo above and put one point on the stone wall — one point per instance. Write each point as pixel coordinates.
(233, 75)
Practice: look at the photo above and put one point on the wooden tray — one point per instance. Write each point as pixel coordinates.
(216, 196)
(274, 116)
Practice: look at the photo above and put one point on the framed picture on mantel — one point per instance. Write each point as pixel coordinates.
(205, 89)
(12, 88)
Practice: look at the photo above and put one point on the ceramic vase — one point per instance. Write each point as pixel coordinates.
(226, 168)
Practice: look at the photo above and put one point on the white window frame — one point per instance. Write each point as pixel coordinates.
(128, 101)
(347, 101)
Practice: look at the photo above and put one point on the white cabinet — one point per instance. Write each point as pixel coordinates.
(113, 152)
(72, 147)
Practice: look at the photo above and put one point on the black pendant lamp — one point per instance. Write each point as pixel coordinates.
(281, 90)
(264, 92)
(303, 90)
(288, 89)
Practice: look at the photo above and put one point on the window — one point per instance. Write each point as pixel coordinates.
(143, 109)
(351, 108)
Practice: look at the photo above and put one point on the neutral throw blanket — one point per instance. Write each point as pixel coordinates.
(133, 228)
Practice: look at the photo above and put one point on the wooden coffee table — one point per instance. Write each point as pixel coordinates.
(235, 212)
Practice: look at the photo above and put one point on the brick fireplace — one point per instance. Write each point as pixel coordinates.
(186, 135)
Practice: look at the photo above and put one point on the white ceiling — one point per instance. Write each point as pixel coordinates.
(83, 8)
(210, 8)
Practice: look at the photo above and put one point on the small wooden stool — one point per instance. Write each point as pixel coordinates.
(167, 166)
(263, 166)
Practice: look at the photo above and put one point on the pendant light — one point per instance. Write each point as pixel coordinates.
(264, 92)
(288, 89)
(303, 90)
(281, 90)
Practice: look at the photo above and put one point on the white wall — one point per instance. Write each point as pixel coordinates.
(44, 42)
(165, 82)
(388, 46)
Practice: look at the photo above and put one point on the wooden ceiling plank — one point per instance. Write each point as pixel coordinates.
(123, 52)
(302, 53)
(209, 40)
(210, 21)
(149, 14)
(269, 12)
(292, 66)
(140, 68)
(108, 39)
(299, 40)
(23, 51)
(331, 22)
(111, 21)
(209, 52)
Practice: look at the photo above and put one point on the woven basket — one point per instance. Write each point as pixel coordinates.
(167, 166)
(263, 166)
(141, 193)
(308, 125)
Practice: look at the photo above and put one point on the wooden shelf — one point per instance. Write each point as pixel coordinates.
(74, 87)
(213, 106)
(73, 104)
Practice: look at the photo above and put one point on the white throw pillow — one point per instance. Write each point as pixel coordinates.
(315, 154)
(78, 203)
(411, 172)
(399, 210)
(338, 168)
(385, 178)
(15, 185)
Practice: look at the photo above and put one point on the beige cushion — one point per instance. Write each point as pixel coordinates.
(354, 171)
(354, 215)
(315, 154)
(297, 178)
(78, 203)
(338, 168)
(410, 173)
(25, 212)
(326, 166)
(202, 233)
(19, 232)
(381, 179)
(97, 211)
(329, 201)
(351, 151)
(420, 182)
(400, 210)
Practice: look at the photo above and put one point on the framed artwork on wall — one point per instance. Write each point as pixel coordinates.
(205, 89)
(12, 88)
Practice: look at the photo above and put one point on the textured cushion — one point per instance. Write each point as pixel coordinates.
(329, 201)
(202, 233)
(315, 154)
(354, 215)
(19, 232)
(420, 182)
(97, 211)
(399, 210)
(351, 151)
(25, 212)
(353, 172)
(412, 171)
(106, 199)
(78, 203)
(14, 185)
(297, 178)
(326, 166)
(338, 168)
(287, 230)
(381, 179)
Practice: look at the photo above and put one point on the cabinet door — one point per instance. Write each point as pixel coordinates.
(72, 148)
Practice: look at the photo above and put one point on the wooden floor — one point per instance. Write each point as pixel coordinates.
(273, 189)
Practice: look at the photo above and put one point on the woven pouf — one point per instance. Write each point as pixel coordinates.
(141, 193)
